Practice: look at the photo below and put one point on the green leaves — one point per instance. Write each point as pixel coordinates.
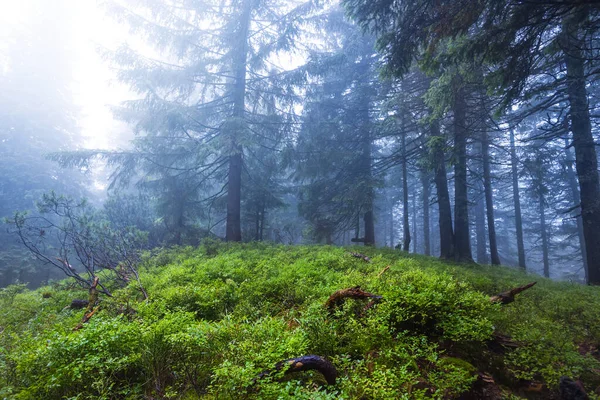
(216, 320)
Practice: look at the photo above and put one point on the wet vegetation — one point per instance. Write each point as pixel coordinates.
(220, 315)
(256, 214)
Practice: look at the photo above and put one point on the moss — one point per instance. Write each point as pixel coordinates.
(220, 314)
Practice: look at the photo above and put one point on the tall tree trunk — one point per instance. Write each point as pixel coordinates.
(426, 236)
(437, 143)
(233, 232)
(576, 203)
(489, 200)
(262, 221)
(365, 129)
(414, 223)
(257, 225)
(517, 201)
(462, 234)
(392, 236)
(479, 209)
(583, 140)
(544, 232)
(405, 215)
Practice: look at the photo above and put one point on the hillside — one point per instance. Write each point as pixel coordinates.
(221, 317)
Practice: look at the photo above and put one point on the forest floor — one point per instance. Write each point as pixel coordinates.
(237, 321)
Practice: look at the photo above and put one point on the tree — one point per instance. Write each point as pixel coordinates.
(335, 146)
(205, 90)
(521, 41)
(70, 236)
(517, 201)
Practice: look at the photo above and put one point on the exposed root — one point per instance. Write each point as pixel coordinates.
(571, 390)
(305, 363)
(339, 297)
(78, 304)
(361, 256)
(509, 296)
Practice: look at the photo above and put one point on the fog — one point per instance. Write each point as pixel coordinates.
(182, 121)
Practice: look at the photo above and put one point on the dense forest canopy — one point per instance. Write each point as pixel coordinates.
(459, 129)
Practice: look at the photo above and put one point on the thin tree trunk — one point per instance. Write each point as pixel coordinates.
(517, 201)
(257, 225)
(233, 232)
(414, 223)
(365, 127)
(262, 222)
(479, 209)
(489, 200)
(583, 141)
(405, 215)
(462, 234)
(426, 236)
(576, 203)
(441, 186)
(544, 235)
(392, 236)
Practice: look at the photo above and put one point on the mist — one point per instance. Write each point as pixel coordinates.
(140, 125)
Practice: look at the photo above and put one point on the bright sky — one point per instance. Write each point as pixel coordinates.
(94, 87)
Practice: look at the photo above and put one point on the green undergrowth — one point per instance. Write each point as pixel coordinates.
(219, 315)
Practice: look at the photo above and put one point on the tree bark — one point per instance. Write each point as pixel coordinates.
(414, 223)
(441, 185)
(365, 127)
(392, 236)
(426, 236)
(544, 234)
(572, 179)
(462, 234)
(586, 160)
(405, 215)
(233, 232)
(489, 200)
(257, 225)
(517, 201)
(482, 257)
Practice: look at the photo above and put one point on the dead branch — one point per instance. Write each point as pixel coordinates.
(361, 256)
(91, 307)
(339, 297)
(300, 364)
(509, 296)
(383, 271)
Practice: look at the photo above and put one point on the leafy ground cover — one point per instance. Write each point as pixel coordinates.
(220, 315)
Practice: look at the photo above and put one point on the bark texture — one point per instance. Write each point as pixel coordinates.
(233, 231)
(586, 160)
(462, 234)
(441, 186)
(517, 201)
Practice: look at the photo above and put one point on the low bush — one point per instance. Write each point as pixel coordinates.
(220, 317)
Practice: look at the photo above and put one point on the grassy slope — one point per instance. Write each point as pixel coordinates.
(221, 314)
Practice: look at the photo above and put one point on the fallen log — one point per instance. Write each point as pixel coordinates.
(300, 364)
(509, 296)
(338, 298)
(361, 256)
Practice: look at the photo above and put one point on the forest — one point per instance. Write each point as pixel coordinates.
(162, 162)
(445, 129)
